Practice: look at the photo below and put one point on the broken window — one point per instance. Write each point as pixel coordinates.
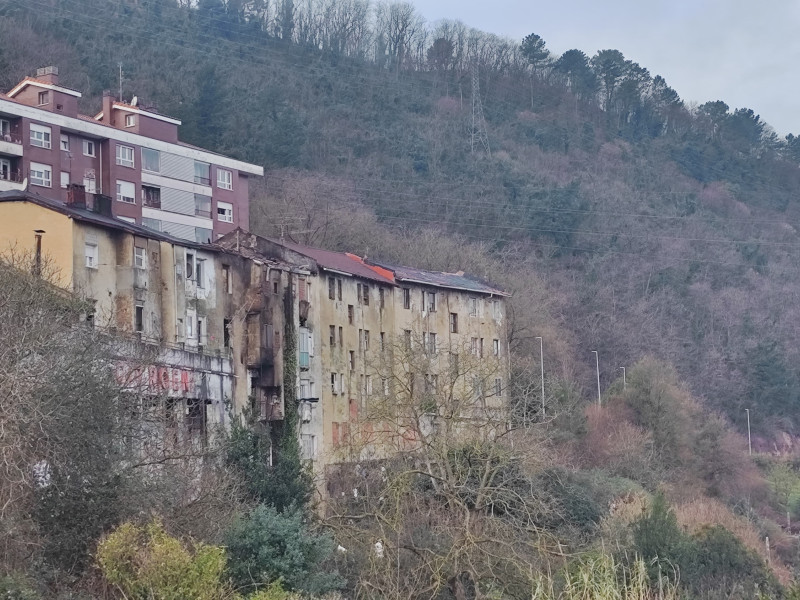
(227, 283)
(331, 288)
(350, 314)
(496, 347)
(406, 298)
(352, 360)
(453, 322)
(333, 336)
(139, 318)
(226, 332)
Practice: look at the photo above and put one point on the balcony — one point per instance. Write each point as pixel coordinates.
(11, 180)
(10, 144)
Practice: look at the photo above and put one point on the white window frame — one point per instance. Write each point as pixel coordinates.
(41, 136)
(130, 120)
(89, 148)
(121, 196)
(64, 179)
(90, 184)
(64, 142)
(46, 95)
(224, 179)
(126, 156)
(227, 215)
(46, 179)
(91, 254)
(158, 152)
(140, 258)
(496, 347)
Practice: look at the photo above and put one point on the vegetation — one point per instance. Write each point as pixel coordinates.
(622, 220)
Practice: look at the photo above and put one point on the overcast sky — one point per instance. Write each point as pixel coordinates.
(745, 53)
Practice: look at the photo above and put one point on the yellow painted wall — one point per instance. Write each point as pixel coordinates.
(18, 220)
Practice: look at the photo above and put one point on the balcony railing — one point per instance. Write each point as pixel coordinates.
(11, 138)
(202, 180)
(12, 176)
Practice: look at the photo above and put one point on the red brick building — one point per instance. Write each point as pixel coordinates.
(128, 152)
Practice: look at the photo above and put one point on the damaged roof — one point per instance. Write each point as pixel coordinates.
(340, 262)
(456, 281)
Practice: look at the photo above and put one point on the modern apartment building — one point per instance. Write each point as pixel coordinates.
(128, 151)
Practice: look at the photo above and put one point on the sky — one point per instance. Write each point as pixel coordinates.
(745, 53)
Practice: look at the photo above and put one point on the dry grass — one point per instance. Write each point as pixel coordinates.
(704, 512)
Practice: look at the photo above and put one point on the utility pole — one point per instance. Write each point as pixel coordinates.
(478, 134)
(749, 442)
(624, 382)
(597, 368)
(119, 64)
(541, 362)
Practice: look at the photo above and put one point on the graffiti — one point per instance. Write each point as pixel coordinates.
(154, 379)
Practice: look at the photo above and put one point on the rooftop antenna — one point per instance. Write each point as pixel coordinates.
(119, 64)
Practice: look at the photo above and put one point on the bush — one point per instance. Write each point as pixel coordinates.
(266, 546)
(16, 587)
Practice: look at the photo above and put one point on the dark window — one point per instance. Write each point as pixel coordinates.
(226, 332)
(352, 360)
(406, 298)
(226, 279)
(407, 338)
(338, 289)
(365, 289)
(381, 298)
(44, 98)
(151, 196)
(350, 314)
(453, 322)
(331, 288)
(358, 293)
(202, 173)
(333, 336)
(202, 206)
(139, 324)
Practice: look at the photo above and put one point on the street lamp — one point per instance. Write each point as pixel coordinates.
(597, 367)
(541, 362)
(749, 443)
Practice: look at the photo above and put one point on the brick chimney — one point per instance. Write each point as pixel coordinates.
(76, 196)
(48, 75)
(108, 103)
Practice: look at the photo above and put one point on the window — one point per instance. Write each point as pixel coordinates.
(227, 282)
(407, 338)
(127, 219)
(431, 298)
(90, 185)
(334, 383)
(338, 289)
(5, 169)
(381, 299)
(341, 336)
(352, 360)
(199, 272)
(41, 175)
(331, 288)
(130, 120)
(202, 173)
(126, 192)
(125, 156)
(64, 179)
(202, 206)
(333, 336)
(453, 322)
(496, 310)
(201, 330)
(308, 446)
(151, 196)
(368, 387)
(406, 298)
(365, 294)
(139, 318)
(431, 346)
(151, 160)
(40, 136)
(498, 387)
(480, 348)
(189, 327)
(202, 235)
(92, 255)
(140, 258)
(224, 179)
(189, 265)
(5, 130)
(153, 224)
(496, 347)
(89, 148)
(350, 314)
(383, 341)
(227, 325)
(64, 142)
(365, 341)
(473, 346)
(44, 98)
(225, 212)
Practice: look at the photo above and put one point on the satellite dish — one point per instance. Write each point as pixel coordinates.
(135, 101)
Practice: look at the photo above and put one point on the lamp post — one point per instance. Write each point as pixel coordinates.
(624, 382)
(749, 443)
(597, 368)
(541, 363)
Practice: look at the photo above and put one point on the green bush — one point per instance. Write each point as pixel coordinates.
(265, 546)
(17, 587)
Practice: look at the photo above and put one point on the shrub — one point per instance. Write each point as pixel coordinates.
(265, 546)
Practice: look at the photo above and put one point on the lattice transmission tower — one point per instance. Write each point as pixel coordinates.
(478, 134)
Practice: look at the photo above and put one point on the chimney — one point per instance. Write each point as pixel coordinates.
(76, 196)
(102, 205)
(48, 75)
(108, 103)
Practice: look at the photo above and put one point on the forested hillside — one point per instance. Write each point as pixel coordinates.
(624, 221)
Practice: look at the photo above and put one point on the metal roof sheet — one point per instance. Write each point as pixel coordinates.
(457, 281)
